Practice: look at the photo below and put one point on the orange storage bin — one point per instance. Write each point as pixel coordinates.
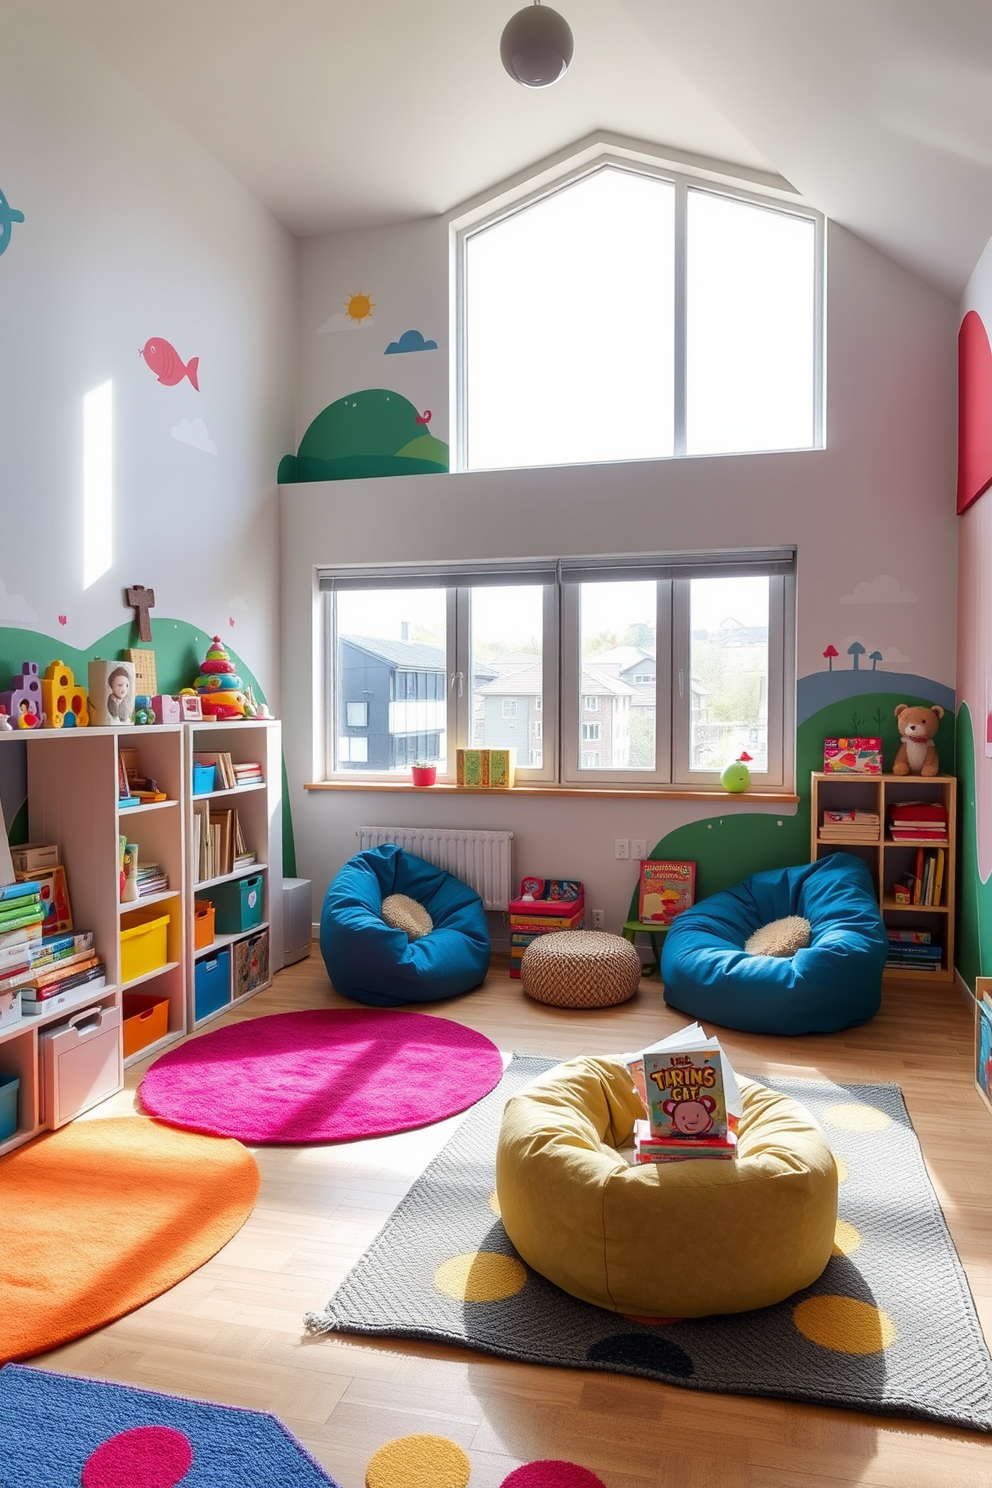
(203, 923)
(146, 1020)
(144, 946)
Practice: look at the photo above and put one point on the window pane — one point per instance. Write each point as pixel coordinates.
(729, 672)
(570, 326)
(507, 669)
(390, 671)
(617, 715)
(750, 327)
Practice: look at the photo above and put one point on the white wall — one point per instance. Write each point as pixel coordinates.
(131, 232)
(877, 501)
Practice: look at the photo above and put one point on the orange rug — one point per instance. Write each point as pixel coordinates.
(103, 1215)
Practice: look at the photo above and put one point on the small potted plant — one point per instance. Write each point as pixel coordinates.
(424, 772)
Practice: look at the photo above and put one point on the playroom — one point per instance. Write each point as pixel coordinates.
(495, 747)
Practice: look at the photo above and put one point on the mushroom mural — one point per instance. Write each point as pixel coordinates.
(829, 655)
(856, 649)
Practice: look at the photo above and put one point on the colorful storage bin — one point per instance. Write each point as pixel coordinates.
(146, 1020)
(204, 933)
(9, 1086)
(144, 945)
(251, 963)
(204, 779)
(211, 984)
(238, 904)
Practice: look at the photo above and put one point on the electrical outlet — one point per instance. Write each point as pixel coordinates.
(621, 848)
(597, 919)
(639, 848)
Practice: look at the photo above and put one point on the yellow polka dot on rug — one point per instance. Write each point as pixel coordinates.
(418, 1462)
(494, 1204)
(855, 1117)
(843, 1171)
(846, 1238)
(845, 1325)
(481, 1276)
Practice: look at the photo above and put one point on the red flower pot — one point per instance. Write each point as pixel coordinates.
(424, 774)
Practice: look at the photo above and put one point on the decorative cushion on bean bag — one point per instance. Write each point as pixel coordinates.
(669, 1240)
(580, 969)
(404, 913)
(780, 938)
(377, 964)
(834, 982)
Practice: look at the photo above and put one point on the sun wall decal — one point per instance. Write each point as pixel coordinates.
(359, 307)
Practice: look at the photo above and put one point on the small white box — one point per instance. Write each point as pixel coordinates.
(81, 1063)
(10, 1008)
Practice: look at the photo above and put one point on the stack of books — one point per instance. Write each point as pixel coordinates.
(52, 969)
(849, 825)
(248, 774)
(544, 906)
(21, 919)
(913, 950)
(225, 778)
(219, 845)
(692, 1099)
(151, 880)
(915, 821)
(925, 885)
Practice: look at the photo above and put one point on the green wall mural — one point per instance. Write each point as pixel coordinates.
(974, 923)
(728, 848)
(373, 432)
(179, 649)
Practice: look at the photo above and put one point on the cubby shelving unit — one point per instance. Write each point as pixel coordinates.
(888, 860)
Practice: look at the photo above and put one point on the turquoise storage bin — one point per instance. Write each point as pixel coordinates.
(211, 984)
(238, 904)
(204, 779)
(9, 1086)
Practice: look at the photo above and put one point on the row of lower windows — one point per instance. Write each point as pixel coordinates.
(500, 662)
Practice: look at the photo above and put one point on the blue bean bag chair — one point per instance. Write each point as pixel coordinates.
(833, 983)
(370, 962)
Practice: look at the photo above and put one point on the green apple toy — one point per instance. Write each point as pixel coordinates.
(736, 776)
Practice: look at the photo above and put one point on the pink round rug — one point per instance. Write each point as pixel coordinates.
(323, 1076)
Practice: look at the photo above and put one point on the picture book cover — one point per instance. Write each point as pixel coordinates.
(858, 756)
(668, 888)
(983, 1070)
(54, 893)
(685, 1092)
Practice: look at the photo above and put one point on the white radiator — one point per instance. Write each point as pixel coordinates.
(482, 859)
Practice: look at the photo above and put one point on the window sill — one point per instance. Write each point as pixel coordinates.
(610, 793)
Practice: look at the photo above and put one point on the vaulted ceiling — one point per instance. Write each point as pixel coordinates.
(340, 115)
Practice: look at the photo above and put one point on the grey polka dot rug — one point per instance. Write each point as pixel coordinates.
(894, 1268)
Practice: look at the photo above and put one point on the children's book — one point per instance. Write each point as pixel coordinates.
(859, 756)
(667, 888)
(688, 1086)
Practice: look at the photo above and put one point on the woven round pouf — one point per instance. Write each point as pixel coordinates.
(580, 969)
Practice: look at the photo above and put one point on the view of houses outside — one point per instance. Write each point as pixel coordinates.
(392, 693)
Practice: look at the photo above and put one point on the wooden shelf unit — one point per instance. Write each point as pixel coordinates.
(888, 859)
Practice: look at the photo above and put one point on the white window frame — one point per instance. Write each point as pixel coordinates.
(561, 726)
(509, 709)
(684, 179)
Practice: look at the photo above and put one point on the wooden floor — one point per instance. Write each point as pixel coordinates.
(232, 1331)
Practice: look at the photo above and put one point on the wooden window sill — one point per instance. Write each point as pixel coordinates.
(404, 787)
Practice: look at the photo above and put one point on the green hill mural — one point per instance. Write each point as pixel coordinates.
(373, 432)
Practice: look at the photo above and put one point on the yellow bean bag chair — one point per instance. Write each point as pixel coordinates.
(672, 1240)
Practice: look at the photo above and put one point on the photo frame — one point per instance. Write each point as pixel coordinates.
(191, 707)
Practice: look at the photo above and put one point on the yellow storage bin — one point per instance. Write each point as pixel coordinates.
(144, 946)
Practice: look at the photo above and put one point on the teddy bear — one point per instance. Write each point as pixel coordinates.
(917, 752)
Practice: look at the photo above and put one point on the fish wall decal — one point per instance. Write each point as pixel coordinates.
(168, 366)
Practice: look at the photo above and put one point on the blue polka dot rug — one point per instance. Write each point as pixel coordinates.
(60, 1431)
(890, 1326)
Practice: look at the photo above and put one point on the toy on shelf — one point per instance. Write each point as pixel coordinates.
(23, 703)
(63, 700)
(917, 752)
(6, 726)
(143, 713)
(858, 756)
(736, 776)
(218, 686)
(111, 692)
(166, 709)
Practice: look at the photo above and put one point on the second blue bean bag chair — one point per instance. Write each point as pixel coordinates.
(370, 962)
(833, 983)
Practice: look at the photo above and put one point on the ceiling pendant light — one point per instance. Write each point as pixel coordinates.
(536, 46)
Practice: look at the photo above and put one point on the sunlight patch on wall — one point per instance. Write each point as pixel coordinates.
(98, 482)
